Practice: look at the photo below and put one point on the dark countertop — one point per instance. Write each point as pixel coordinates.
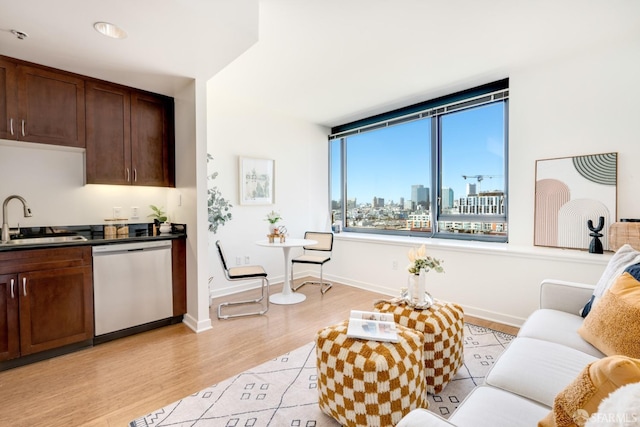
(94, 235)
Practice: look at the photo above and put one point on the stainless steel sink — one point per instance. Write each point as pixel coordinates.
(46, 240)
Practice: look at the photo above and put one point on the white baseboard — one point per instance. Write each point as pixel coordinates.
(194, 325)
(470, 310)
(277, 281)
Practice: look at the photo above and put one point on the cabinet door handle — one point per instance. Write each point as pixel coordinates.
(127, 174)
(23, 128)
(24, 286)
(135, 175)
(11, 125)
(13, 282)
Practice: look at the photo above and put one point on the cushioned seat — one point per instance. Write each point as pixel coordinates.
(482, 408)
(317, 254)
(246, 272)
(370, 383)
(542, 368)
(559, 327)
(442, 325)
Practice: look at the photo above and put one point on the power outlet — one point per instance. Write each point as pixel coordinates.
(394, 265)
(238, 260)
(246, 260)
(117, 212)
(134, 212)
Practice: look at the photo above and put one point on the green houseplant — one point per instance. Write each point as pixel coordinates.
(218, 208)
(158, 214)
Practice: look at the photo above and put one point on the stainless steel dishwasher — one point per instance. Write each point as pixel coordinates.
(132, 285)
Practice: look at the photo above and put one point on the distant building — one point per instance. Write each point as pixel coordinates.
(489, 204)
(471, 189)
(420, 196)
(419, 222)
(447, 198)
(378, 202)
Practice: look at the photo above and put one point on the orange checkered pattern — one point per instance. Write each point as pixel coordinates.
(442, 325)
(369, 383)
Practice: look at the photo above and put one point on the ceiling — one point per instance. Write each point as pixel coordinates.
(325, 61)
(168, 41)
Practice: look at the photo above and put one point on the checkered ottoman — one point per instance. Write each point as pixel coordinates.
(442, 325)
(369, 383)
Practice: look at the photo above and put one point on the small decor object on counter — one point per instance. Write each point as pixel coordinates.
(116, 228)
(420, 265)
(165, 228)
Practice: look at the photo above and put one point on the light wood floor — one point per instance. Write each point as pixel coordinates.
(116, 382)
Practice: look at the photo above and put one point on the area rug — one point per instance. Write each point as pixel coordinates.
(283, 391)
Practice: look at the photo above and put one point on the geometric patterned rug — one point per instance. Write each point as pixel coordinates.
(283, 391)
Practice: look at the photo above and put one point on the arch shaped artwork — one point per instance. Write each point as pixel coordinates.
(570, 191)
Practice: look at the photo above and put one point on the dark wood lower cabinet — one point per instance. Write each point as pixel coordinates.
(56, 308)
(47, 300)
(9, 320)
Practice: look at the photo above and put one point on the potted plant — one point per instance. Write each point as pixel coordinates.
(273, 217)
(160, 218)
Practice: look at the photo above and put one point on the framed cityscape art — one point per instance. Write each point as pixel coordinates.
(256, 181)
(570, 191)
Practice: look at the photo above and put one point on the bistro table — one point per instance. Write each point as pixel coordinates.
(287, 296)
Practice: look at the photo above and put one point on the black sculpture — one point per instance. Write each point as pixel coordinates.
(595, 247)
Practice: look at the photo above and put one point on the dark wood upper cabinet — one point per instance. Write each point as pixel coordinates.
(129, 137)
(128, 133)
(152, 144)
(41, 105)
(108, 153)
(8, 99)
(50, 107)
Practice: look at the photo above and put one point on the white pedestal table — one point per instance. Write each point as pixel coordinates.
(287, 296)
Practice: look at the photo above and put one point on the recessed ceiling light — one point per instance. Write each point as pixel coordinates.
(110, 30)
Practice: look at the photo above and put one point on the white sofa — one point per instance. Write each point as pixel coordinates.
(545, 357)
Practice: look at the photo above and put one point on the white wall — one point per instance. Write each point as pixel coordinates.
(301, 176)
(189, 207)
(583, 103)
(51, 179)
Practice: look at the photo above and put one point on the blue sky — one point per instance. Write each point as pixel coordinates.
(472, 145)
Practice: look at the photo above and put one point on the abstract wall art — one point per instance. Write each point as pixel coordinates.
(570, 191)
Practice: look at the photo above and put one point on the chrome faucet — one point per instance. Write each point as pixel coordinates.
(5, 221)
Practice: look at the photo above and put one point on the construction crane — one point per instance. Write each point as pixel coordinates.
(479, 178)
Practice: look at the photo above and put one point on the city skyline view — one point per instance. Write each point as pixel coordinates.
(387, 162)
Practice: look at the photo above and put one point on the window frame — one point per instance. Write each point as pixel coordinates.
(433, 110)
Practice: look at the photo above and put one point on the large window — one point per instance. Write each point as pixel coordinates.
(433, 169)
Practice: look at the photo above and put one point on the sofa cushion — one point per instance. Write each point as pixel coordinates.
(490, 407)
(537, 369)
(623, 258)
(613, 326)
(485, 406)
(559, 327)
(581, 398)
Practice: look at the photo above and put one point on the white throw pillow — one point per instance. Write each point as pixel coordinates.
(620, 409)
(623, 258)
